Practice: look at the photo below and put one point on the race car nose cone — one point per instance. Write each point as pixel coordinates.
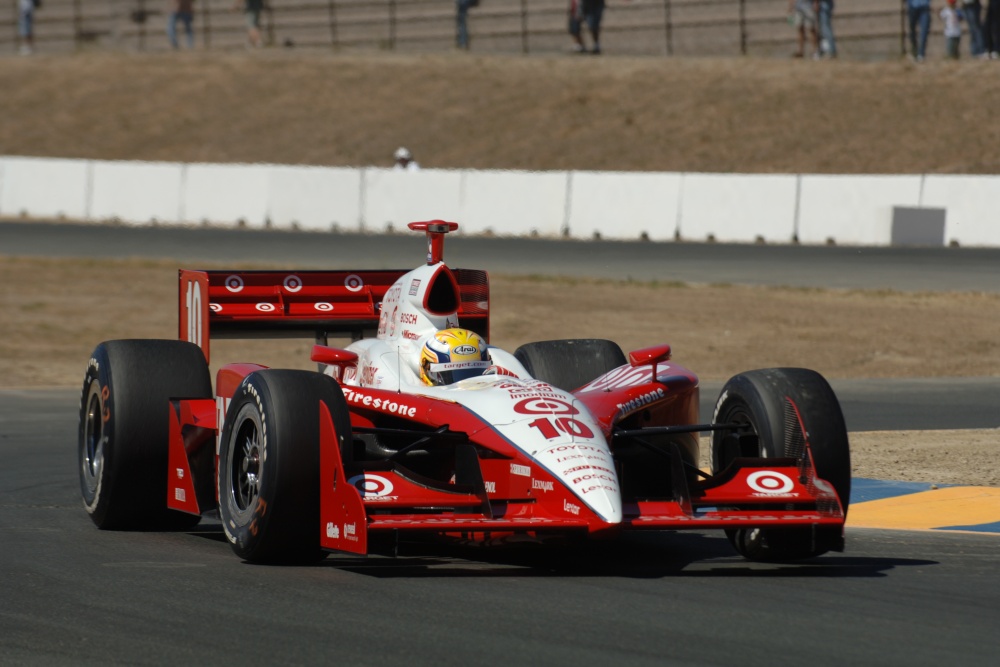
(589, 472)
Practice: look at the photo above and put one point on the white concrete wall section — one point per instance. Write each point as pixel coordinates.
(514, 203)
(853, 210)
(226, 193)
(738, 208)
(395, 197)
(136, 192)
(623, 205)
(972, 204)
(45, 188)
(314, 198)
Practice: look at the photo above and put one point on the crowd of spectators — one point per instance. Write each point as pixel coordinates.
(813, 21)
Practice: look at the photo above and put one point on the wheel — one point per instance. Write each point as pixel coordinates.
(124, 429)
(269, 464)
(569, 364)
(757, 399)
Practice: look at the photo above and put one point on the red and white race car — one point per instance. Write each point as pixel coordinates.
(419, 426)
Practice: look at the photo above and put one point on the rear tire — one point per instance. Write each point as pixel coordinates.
(124, 430)
(269, 464)
(570, 364)
(757, 398)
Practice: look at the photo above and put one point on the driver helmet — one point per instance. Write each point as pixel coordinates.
(451, 355)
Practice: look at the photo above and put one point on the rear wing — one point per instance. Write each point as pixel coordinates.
(281, 304)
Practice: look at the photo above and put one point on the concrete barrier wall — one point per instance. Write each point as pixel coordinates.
(737, 208)
(44, 188)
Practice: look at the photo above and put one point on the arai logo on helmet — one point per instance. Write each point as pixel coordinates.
(466, 349)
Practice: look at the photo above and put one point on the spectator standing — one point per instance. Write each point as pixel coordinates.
(251, 12)
(802, 14)
(828, 42)
(404, 160)
(972, 11)
(26, 25)
(180, 11)
(462, 22)
(919, 13)
(991, 31)
(952, 29)
(590, 12)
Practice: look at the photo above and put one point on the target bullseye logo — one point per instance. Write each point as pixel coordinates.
(323, 306)
(371, 485)
(292, 283)
(544, 406)
(770, 481)
(234, 284)
(354, 283)
(215, 307)
(266, 307)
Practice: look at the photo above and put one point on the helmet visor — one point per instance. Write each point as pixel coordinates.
(450, 373)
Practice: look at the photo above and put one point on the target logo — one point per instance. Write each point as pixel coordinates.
(770, 481)
(265, 307)
(544, 406)
(234, 284)
(354, 282)
(371, 485)
(293, 284)
(323, 306)
(215, 307)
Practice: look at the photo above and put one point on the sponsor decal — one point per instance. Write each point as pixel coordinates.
(180, 495)
(466, 349)
(368, 374)
(593, 477)
(491, 487)
(94, 365)
(542, 485)
(770, 482)
(215, 308)
(571, 508)
(292, 283)
(354, 283)
(323, 306)
(350, 532)
(372, 486)
(414, 286)
(408, 318)
(266, 307)
(517, 469)
(588, 467)
(410, 335)
(234, 284)
(544, 406)
(180, 473)
(332, 531)
(384, 404)
(640, 401)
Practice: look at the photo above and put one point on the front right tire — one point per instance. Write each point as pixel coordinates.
(269, 490)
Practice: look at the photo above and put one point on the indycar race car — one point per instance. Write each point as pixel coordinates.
(419, 426)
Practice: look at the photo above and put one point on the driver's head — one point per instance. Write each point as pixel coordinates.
(451, 355)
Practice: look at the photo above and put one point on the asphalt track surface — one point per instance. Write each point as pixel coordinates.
(76, 595)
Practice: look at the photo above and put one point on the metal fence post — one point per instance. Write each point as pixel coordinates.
(524, 27)
(392, 25)
(206, 31)
(668, 27)
(332, 5)
(743, 27)
(902, 29)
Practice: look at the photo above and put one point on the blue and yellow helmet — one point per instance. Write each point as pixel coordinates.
(451, 355)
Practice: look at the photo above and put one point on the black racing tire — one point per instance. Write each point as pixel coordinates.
(757, 399)
(269, 464)
(124, 430)
(570, 364)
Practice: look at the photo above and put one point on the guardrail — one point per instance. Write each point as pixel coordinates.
(865, 28)
(813, 209)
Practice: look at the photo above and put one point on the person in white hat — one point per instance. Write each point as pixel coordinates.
(405, 161)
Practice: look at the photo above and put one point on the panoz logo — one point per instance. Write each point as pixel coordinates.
(523, 471)
(371, 486)
(770, 482)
